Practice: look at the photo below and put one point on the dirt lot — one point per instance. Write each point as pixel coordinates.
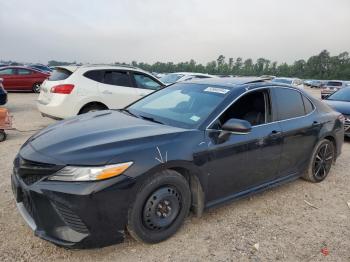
(279, 221)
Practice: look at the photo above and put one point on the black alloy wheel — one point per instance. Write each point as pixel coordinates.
(321, 161)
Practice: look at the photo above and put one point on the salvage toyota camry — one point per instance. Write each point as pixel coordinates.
(84, 181)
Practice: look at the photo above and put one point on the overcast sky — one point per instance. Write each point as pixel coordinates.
(104, 31)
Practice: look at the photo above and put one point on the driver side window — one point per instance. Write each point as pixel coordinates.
(254, 107)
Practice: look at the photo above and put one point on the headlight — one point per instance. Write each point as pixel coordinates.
(80, 173)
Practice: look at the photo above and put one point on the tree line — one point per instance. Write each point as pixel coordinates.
(320, 66)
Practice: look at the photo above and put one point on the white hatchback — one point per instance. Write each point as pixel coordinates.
(73, 90)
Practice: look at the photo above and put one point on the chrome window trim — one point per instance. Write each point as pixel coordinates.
(277, 121)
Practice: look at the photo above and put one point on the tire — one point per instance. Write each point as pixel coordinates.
(92, 108)
(161, 205)
(36, 88)
(321, 161)
(3, 135)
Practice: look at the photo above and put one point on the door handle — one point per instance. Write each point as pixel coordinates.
(106, 92)
(315, 123)
(275, 133)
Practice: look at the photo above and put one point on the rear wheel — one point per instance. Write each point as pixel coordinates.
(321, 162)
(92, 108)
(161, 205)
(36, 88)
(2, 135)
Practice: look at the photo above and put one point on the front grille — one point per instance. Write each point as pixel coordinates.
(70, 218)
(31, 172)
(31, 179)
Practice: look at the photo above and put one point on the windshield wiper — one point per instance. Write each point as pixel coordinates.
(151, 119)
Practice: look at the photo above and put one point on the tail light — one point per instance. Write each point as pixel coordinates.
(341, 118)
(62, 89)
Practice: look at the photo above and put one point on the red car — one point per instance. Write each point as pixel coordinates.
(21, 78)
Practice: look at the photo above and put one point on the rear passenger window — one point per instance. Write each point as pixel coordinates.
(308, 105)
(96, 75)
(23, 71)
(117, 78)
(289, 103)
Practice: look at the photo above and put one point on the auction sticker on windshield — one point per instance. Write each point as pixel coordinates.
(216, 90)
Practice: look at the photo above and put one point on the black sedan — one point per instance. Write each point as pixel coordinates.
(340, 101)
(194, 145)
(3, 94)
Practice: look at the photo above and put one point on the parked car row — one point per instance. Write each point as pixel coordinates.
(329, 87)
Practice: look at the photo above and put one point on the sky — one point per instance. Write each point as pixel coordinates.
(104, 31)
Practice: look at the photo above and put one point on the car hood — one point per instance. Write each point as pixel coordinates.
(95, 138)
(340, 106)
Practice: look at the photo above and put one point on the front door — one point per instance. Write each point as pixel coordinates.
(10, 78)
(244, 161)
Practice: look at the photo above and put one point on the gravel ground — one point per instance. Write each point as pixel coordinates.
(275, 225)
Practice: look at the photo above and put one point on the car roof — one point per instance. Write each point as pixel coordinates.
(22, 67)
(228, 81)
(287, 78)
(191, 73)
(88, 67)
(246, 83)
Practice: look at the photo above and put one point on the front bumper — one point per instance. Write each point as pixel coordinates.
(75, 214)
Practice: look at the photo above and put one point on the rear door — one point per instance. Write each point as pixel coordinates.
(300, 128)
(144, 84)
(117, 89)
(25, 79)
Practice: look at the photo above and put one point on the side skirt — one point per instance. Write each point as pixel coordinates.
(251, 191)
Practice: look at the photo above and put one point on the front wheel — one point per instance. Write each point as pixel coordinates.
(2, 135)
(321, 162)
(36, 88)
(160, 207)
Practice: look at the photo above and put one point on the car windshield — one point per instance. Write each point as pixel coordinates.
(341, 95)
(282, 80)
(181, 105)
(171, 78)
(333, 83)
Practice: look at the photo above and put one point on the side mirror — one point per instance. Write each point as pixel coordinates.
(235, 126)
